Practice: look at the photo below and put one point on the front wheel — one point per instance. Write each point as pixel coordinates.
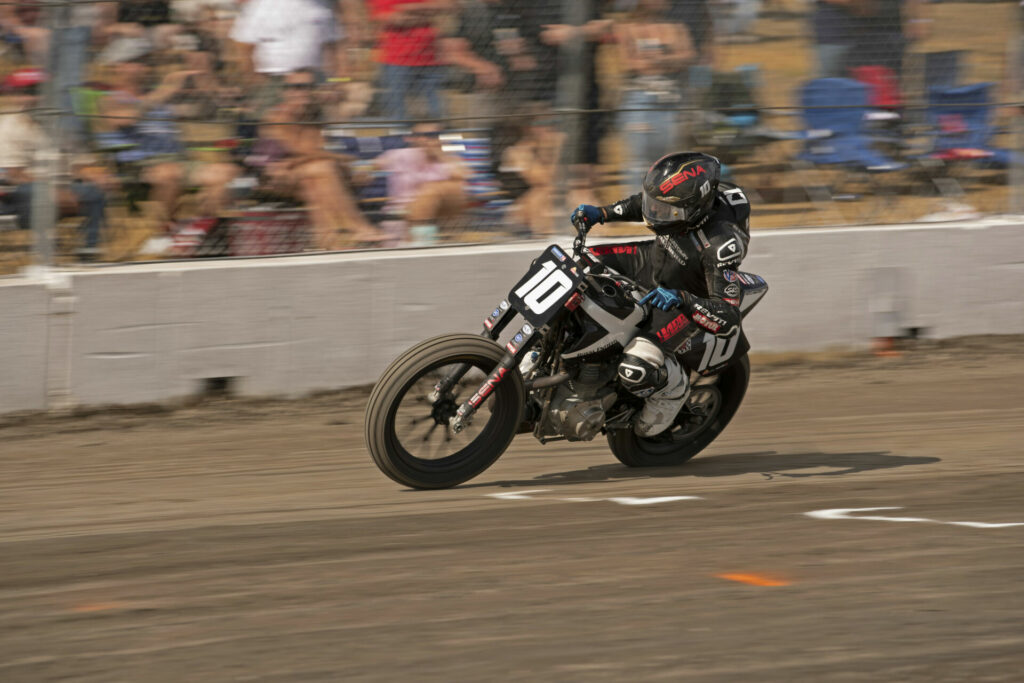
(706, 414)
(408, 434)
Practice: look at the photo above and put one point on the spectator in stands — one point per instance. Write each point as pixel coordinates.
(280, 38)
(290, 153)
(833, 25)
(734, 20)
(129, 23)
(408, 49)
(499, 44)
(426, 185)
(531, 163)
(882, 31)
(22, 140)
(653, 52)
(479, 69)
(696, 15)
(138, 130)
(22, 27)
(584, 155)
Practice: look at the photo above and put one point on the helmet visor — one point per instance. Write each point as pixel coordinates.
(658, 213)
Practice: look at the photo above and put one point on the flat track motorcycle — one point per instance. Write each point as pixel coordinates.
(446, 409)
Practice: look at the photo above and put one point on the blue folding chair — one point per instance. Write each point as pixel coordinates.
(962, 131)
(834, 110)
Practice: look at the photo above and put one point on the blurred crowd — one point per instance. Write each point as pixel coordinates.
(378, 122)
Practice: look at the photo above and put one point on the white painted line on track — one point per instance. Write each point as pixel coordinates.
(621, 500)
(651, 501)
(516, 495)
(846, 513)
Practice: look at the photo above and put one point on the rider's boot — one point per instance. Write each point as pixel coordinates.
(647, 372)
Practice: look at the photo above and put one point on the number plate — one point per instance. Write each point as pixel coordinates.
(542, 292)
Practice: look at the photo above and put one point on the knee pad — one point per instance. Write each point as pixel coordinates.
(642, 369)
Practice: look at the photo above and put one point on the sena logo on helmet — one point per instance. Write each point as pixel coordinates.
(682, 175)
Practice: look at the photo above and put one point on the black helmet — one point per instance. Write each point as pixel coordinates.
(679, 191)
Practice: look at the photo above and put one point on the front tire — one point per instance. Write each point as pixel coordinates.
(408, 435)
(685, 439)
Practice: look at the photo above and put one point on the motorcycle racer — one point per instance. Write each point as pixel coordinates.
(702, 229)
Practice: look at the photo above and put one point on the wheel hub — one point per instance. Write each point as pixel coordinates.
(443, 410)
(700, 409)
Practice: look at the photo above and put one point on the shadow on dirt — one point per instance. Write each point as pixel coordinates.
(768, 464)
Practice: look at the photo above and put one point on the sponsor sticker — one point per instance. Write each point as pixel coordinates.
(730, 275)
(673, 328)
(706, 322)
(732, 290)
(558, 252)
(729, 251)
(616, 249)
(685, 172)
(486, 390)
(632, 373)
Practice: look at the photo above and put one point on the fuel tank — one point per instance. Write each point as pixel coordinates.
(608, 318)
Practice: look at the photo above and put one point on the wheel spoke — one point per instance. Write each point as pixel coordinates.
(411, 428)
(426, 443)
(429, 432)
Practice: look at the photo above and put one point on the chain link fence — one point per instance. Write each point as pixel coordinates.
(150, 129)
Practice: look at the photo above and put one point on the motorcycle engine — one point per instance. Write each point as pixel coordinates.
(579, 406)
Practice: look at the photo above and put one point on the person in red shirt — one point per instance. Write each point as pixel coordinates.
(408, 49)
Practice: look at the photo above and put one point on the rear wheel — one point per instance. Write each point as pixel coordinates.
(706, 414)
(408, 434)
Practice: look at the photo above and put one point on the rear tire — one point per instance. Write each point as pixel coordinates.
(676, 446)
(403, 383)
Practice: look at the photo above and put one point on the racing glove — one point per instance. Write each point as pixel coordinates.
(587, 215)
(665, 299)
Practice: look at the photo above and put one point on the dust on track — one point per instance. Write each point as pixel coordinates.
(254, 540)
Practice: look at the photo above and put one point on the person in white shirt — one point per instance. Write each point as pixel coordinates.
(285, 36)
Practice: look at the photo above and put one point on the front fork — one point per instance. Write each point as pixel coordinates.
(516, 348)
(493, 326)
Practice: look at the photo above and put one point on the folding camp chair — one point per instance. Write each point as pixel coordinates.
(961, 134)
(834, 111)
(962, 131)
(884, 122)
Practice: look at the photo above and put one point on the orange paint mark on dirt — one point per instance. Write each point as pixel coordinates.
(98, 607)
(754, 579)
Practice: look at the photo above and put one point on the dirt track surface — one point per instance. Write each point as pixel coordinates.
(256, 541)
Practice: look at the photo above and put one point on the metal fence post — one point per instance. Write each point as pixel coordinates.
(46, 166)
(1016, 72)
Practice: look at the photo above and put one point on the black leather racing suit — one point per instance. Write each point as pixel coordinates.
(700, 263)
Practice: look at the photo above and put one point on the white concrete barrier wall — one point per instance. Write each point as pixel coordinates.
(289, 326)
